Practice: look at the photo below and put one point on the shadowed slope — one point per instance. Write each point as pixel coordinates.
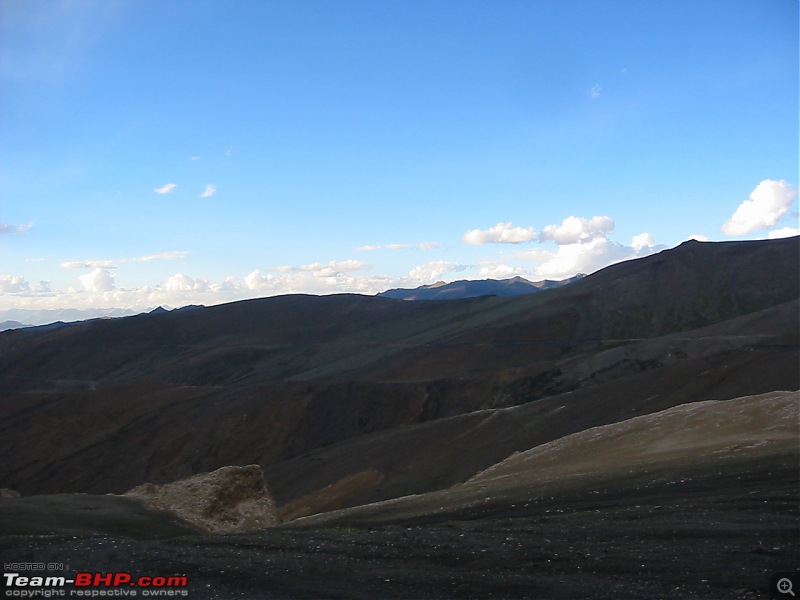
(719, 361)
(698, 436)
(368, 338)
(265, 381)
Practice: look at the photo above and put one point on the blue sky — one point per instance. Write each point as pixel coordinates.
(202, 151)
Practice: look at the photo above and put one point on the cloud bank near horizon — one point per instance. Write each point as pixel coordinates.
(558, 251)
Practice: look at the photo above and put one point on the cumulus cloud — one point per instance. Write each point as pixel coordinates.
(489, 270)
(183, 283)
(595, 91)
(14, 229)
(209, 191)
(575, 229)
(98, 290)
(770, 201)
(583, 257)
(643, 240)
(88, 264)
(166, 189)
(98, 280)
(317, 278)
(433, 271)
(783, 233)
(502, 233)
(12, 284)
(584, 247)
(258, 281)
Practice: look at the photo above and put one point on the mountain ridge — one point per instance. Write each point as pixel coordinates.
(270, 381)
(470, 288)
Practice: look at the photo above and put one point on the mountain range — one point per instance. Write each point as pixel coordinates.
(365, 410)
(516, 286)
(14, 318)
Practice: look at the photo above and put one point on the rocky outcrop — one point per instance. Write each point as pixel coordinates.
(7, 493)
(228, 500)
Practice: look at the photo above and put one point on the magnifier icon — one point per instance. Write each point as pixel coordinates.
(785, 586)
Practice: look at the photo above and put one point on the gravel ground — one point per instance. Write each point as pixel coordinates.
(708, 535)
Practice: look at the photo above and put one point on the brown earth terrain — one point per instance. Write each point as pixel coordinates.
(620, 436)
(698, 501)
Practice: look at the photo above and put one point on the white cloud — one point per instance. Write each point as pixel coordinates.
(14, 229)
(209, 191)
(433, 271)
(316, 278)
(98, 280)
(770, 201)
(596, 91)
(502, 233)
(584, 247)
(257, 281)
(174, 255)
(783, 233)
(575, 229)
(584, 257)
(183, 283)
(370, 248)
(109, 264)
(333, 268)
(88, 264)
(166, 189)
(643, 240)
(423, 246)
(489, 270)
(11, 284)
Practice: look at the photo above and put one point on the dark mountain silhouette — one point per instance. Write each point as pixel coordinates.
(516, 286)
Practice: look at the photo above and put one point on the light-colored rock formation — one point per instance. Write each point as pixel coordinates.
(228, 500)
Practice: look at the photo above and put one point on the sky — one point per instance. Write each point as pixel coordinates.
(182, 152)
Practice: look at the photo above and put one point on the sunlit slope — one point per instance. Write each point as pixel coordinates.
(686, 441)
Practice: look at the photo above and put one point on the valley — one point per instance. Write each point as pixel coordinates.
(632, 434)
